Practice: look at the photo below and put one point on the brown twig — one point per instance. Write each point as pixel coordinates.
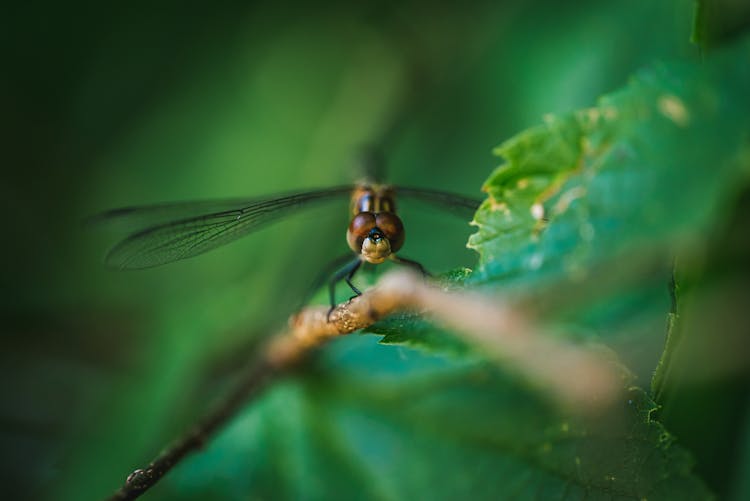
(576, 376)
(306, 331)
(142, 479)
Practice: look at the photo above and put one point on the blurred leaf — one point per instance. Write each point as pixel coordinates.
(586, 198)
(461, 431)
(650, 166)
(414, 331)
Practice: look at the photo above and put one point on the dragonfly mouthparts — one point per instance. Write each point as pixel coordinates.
(376, 247)
(375, 235)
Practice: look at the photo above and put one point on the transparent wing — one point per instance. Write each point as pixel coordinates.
(160, 234)
(459, 205)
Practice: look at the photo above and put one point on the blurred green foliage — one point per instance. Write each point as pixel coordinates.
(120, 105)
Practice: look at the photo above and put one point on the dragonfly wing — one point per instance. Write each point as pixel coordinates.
(134, 219)
(170, 232)
(459, 205)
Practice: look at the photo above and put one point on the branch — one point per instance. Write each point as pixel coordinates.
(307, 330)
(256, 377)
(584, 379)
(577, 377)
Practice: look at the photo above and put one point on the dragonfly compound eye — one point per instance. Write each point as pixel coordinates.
(390, 224)
(359, 229)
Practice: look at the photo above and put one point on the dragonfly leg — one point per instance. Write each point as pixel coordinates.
(349, 277)
(323, 278)
(411, 264)
(346, 273)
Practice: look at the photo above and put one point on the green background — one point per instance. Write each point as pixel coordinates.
(120, 105)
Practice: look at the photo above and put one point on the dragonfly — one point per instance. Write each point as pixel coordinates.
(168, 232)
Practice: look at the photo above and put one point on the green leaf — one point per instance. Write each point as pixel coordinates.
(413, 330)
(443, 431)
(648, 167)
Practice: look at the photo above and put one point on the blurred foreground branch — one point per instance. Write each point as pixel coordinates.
(577, 377)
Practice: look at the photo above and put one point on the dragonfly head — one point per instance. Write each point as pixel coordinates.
(375, 236)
